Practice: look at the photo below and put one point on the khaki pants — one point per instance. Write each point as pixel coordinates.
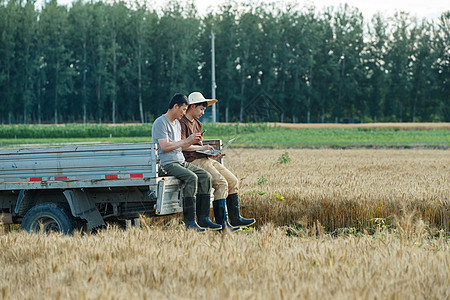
(223, 181)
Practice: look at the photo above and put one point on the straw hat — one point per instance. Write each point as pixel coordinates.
(197, 97)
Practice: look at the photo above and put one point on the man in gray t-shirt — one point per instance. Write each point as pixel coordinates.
(166, 132)
(165, 129)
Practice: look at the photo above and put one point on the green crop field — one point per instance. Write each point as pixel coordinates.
(248, 135)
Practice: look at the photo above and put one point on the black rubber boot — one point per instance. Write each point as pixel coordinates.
(234, 215)
(203, 209)
(189, 214)
(221, 215)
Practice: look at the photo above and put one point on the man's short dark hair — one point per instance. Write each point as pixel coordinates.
(178, 99)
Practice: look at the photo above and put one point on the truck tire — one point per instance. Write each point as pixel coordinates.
(49, 216)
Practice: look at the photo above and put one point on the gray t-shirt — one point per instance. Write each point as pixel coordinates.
(164, 129)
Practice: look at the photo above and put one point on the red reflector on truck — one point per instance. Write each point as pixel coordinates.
(35, 178)
(137, 175)
(111, 176)
(61, 178)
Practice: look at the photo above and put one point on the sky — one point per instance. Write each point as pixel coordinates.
(430, 9)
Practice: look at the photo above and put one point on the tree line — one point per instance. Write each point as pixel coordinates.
(113, 62)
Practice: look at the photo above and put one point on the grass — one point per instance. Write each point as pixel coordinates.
(249, 135)
(282, 137)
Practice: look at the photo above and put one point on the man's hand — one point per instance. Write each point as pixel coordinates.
(207, 147)
(194, 138)
(167, 146)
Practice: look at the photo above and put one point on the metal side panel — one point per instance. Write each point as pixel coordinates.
(170, 192)
(74, 184)
(75, 148)
(74, 163)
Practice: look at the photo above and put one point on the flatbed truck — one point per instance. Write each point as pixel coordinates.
(81, 187)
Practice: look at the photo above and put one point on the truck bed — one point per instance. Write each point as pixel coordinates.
(100, 181)
(104, 165)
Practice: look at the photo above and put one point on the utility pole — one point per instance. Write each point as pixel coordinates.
(213, 77)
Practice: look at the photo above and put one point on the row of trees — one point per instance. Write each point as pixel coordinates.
(110, 62)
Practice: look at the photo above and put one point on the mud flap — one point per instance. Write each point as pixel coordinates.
(25, 201)
(81, 206)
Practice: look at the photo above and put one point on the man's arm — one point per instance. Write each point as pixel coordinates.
(191, 148)
(167, 146)
(198, 147)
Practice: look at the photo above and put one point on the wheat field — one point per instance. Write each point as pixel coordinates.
(343, 188)
(332, 224)
(170, 263)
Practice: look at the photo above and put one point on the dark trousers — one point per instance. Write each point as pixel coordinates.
(192, 176)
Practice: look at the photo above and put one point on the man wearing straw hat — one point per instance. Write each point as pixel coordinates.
(225, 184)
(166, 132)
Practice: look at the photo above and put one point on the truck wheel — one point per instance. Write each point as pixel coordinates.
(50, 217)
